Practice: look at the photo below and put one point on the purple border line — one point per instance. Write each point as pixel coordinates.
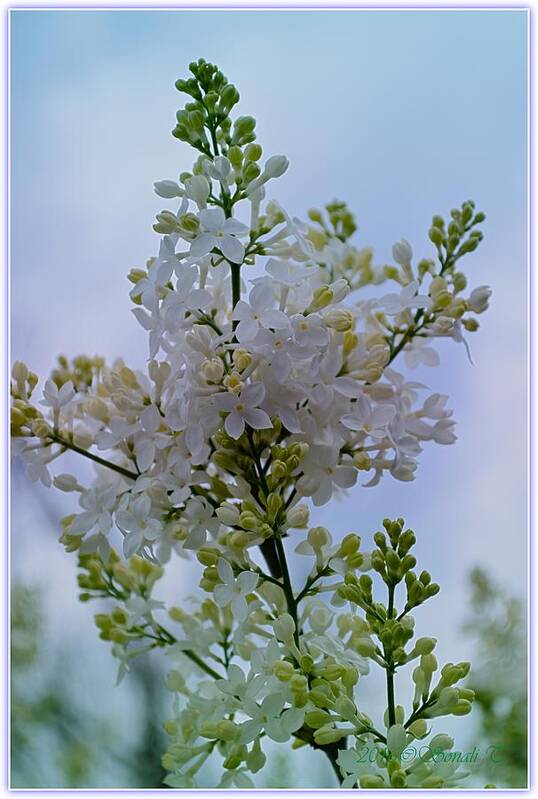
(531, 328)
(311, 6)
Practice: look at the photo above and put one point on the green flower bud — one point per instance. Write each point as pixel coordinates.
(278, 470)
(467, 693)
(323, 296)
(345, 708)
(436, 236)
(251, 172)
(433, 781)
(350, 544)
(328, 735)
(462, 708)
(283, 670)
(207, 556)
(381, 541)
(441, 742)
(365, 647)
(208, 729)
(428, 663)
(307, 663)
(371, 781)
(318, 537)
(317, 718)
(350, 677)
(235, 157)
(253, 152)
(424, 646)
(118, 636)
(248, 521)
(419, 728)
(227, 730)
(119, 616)
(274, 505)
(319, 698)
(398, 779)
(331, 672)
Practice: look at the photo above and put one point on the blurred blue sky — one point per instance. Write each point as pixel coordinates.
(401, 113)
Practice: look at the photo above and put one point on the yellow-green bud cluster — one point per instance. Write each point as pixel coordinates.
(115, 577)
(458, 237)
(82, 371)
(23, 381)
(339, 217)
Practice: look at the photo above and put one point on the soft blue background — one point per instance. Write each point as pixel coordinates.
(402, 113)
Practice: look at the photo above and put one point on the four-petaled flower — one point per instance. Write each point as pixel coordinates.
(243, 409)
(218, 231)
(232, 591)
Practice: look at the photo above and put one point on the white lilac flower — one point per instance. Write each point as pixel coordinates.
(98, 505)
(289, 274)
(138, 525)
(243, 409)
(269, 715)
(258, 313)
(185, 298)
(310, 331)
(370, 419)
(200, 519)
(218, 231)
(322, 471)
(420, 352)
(233, 591)
(408, 298)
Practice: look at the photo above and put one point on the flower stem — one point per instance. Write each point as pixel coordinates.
(87, 454)
(287, 586)
(199, 662)
(236, 285)
(389, 668)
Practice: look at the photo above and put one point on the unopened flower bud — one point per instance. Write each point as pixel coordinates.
(365, 647)
(371, 781)
(284, 627)
(328, 735)
(362, 461)
(323, 296)
(241, 359)
(402, 252)
(424, 646)
(67, 483)
(213, 370)
(418, 728)
(339, 319)
(479, 299)
(275, 167)
(318, 537)
(283, 670)
(317, 718)
(345, 708)
(297, 517)
(248, 521)
(167, 189)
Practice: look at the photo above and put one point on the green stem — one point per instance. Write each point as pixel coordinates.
(390, 667)
(236, 284)
(199, 662)
(87, 454)
(286, 585)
